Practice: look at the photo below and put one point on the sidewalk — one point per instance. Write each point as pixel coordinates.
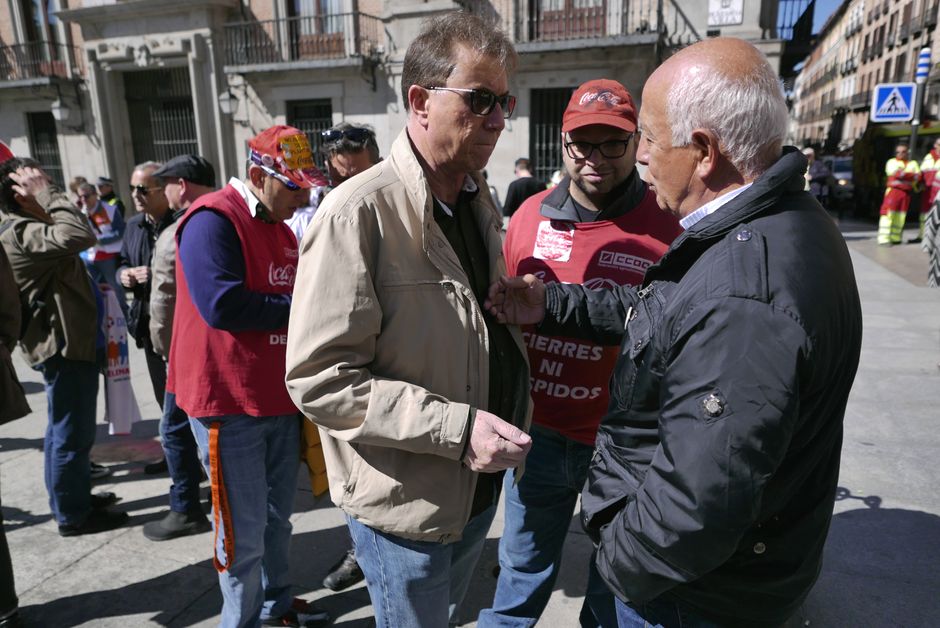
(882, 563)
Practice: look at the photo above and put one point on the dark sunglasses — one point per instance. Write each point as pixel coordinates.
(482, 101)
(354, 134)
(290, 185)
(143, 190)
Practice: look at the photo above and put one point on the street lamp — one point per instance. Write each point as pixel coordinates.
(228, 102)
(60, 111)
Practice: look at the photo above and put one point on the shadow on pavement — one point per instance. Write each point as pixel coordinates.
(881, 568)
(198, 583)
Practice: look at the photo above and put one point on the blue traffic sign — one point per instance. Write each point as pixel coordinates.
(893, 102)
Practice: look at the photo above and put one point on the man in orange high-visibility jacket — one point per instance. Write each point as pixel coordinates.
(903, 179)
(928, 169)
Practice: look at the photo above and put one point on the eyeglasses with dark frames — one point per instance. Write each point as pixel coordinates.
(611, 149)
(354, 134)
(143, 190)
(482, 101)
(290, 185)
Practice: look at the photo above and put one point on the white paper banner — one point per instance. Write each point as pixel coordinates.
(121, 410)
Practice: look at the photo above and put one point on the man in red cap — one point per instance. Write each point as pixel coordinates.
(600, 227)
(236, 262)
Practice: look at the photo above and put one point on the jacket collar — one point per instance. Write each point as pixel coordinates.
(402, 158)
(559, 205)
(785, 176)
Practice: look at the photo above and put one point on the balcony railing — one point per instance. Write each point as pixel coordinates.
(40, 59)
(559, 21)
(861, 100)
(310, 38)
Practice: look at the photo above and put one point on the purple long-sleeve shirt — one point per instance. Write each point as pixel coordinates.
(214, 266)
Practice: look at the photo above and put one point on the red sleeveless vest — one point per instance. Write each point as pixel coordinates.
(215, 372)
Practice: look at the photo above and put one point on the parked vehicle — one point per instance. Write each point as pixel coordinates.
(841, 188)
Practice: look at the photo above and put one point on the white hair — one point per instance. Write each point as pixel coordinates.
(748, 114)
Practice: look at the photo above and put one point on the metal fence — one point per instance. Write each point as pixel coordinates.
(545, 148)
(558, 20)
(40, 59)
(303, 38)
(160, 107)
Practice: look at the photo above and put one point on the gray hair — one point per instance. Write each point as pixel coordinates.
(432, 55)
(748, 114)
(149, 167)
(87, 187)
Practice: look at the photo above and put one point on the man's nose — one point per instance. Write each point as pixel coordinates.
(495, 121)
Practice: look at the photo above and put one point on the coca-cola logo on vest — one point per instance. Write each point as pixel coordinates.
(281, 275)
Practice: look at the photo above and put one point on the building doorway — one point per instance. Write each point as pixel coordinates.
(160, 109)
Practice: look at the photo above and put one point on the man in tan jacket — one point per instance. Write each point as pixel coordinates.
(420, 396)
(42, 237)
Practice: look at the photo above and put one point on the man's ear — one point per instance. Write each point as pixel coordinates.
(418, 100)
(256, 176)
(708, 152)
(184, 187)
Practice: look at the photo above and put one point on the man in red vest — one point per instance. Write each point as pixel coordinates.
(236, 262)
(601, 227)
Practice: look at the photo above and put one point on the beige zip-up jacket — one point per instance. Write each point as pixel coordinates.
(53, 280)
(163, 290)
(387, 349)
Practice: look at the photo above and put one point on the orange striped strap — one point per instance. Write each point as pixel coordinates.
(220, 507)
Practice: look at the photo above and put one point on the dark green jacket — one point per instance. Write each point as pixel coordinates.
(52, 279)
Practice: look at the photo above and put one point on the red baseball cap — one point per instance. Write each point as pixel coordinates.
(5, 153)
(600, 102)
(286, 150)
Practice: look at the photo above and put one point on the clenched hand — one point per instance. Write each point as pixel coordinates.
(495, 445)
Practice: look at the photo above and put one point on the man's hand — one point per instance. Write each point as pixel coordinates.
(27, 183)
(495, 445)
(141, 273)
(128, 278)
(517, 300)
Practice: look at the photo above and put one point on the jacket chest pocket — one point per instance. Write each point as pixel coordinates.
(632, 377)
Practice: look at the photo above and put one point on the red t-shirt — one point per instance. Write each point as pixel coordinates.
(570, 376)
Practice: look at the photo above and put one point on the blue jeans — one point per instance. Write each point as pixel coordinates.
(72, 396)
(418, 583)
(259, 458)
(182, 457)
(538, 513)
(658, 613)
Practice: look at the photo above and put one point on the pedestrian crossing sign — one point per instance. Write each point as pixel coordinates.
(893, 102)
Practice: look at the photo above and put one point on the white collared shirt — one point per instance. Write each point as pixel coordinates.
(250, 199)
(469, 185)
(712, 206)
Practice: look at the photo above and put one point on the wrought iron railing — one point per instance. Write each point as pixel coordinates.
(39, 60)
(568, 20)
(861, 100)
(320, 37)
